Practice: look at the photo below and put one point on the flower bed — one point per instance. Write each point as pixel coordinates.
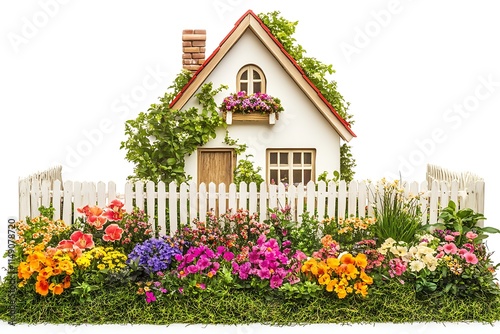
(233, 269)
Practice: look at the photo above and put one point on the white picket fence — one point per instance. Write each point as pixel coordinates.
(189, 202)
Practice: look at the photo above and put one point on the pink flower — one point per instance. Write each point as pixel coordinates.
(450, 248)
(470, 258)
(82, 240)
(112, 232)
(470, 235)
(449, 238)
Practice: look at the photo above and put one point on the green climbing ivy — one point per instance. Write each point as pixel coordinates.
(159, 140)
(318, 73)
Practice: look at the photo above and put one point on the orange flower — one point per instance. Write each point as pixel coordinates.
(306, 267)
(42, 287)
(320, 269)
(332, 285)
(56, 289)
(361, 288)
(361, 260)
(347, 259)
(112, 232)
(67, 282)
(44, 274)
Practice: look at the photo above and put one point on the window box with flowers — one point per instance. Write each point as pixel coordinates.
(256, 107)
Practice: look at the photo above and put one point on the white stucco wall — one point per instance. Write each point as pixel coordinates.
(300, 125)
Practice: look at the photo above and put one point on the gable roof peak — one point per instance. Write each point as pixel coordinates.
(250, 20)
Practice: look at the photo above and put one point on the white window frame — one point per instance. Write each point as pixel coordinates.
(289, 167)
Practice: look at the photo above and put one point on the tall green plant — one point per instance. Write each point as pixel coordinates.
(398, 216)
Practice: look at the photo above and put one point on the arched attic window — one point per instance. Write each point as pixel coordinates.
(251, 79)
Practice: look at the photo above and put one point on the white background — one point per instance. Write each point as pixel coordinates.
(413, 71)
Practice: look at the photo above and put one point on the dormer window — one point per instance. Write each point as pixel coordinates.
(251, 80)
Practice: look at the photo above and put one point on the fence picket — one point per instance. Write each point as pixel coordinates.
(151, 203)
(57, 198)
(263, 202)
(252, 198)
(162, 208)
(332, 198)
(172, 208)
(342, 196)
(321, 199)
(352, 199)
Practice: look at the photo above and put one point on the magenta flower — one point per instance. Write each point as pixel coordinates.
(275, 282)
(228, 256)
(150, 297)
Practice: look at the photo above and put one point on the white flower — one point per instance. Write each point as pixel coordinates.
(416, 265)
(399, 250)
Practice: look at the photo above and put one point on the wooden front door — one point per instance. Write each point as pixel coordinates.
(216, 165)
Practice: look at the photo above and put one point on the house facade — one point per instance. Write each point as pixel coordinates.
(295, 148)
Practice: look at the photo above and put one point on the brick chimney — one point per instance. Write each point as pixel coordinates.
(193, 48)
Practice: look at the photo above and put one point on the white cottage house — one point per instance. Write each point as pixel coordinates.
(304, 141)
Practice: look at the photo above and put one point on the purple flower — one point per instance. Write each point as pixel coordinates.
(155, 254)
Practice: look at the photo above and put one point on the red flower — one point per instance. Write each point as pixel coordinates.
(112, 232)
(82, 240)
(115, 211)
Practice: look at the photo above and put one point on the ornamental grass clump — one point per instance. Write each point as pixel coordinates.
(398, 215)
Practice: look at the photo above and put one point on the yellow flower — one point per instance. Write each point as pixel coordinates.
(101, 266)
(365, 278)
(332, 262)
(361, 260)
(324, 279)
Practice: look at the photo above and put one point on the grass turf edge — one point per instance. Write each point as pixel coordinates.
(392, 303)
